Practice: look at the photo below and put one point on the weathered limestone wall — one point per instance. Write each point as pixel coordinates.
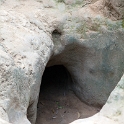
(114, 8)
(24, 52)
(73, 33)
(112, 112)
(96, 65)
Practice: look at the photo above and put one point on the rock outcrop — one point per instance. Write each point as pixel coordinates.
(79, 35)
(112, 112)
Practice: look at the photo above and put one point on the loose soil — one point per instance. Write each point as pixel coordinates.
(58, 105)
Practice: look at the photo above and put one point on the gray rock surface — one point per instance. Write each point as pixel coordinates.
(112, 112)
(36, 34)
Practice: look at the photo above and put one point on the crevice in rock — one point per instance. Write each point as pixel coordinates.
(56, 32)
(56, 36)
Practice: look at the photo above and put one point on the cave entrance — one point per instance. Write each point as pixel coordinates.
(56, 77)
(57, 102)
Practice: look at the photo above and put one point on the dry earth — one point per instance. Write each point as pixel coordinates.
(60, 106)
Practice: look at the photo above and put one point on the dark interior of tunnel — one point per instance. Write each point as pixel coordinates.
(57, 102)
(56, 76)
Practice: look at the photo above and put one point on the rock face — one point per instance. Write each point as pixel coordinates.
(36, 34)
(115, 8)
(115, 105)
(93, 64)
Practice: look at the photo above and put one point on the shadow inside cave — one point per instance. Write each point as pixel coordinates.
(57, 102)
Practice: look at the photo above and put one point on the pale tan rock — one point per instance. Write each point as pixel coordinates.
(3, 122)
(34, 34)
(112, 112)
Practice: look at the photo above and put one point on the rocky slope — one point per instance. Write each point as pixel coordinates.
(87, 37)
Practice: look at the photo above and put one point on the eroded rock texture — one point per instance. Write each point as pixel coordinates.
(112, 112)
(75, 34)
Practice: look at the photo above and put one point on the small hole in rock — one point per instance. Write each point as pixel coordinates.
(56, 32)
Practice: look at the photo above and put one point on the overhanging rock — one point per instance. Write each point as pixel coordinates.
(34, 34)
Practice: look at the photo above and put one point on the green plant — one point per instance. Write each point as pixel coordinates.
(123, 23)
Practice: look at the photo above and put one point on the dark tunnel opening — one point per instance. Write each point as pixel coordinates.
(56, 76)
(57, 103)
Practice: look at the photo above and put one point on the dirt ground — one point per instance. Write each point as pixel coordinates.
(59, 106)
